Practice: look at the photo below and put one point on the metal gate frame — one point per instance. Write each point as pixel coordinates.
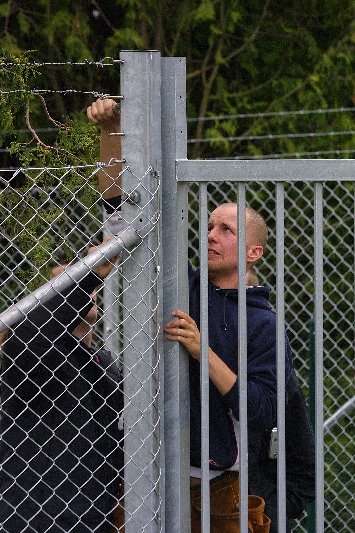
(177, 173)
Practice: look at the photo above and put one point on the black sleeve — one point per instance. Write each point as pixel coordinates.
(32, 351)
(300, 451)
(300, 458)
(61, 314)
(112, 204)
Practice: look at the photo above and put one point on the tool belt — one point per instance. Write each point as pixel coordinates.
(224, 507)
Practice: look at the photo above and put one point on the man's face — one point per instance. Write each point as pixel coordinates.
(222, 243)
(223, 246)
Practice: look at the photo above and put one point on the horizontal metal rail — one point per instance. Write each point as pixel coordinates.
(125, 240)
(283, 170)
(339, 414)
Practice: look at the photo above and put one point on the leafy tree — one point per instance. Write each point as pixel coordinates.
(243, 57)
(27, 212)
(253, 57)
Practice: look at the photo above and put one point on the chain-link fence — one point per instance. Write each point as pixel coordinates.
(63, 400)
(77, 487)
(299, 313)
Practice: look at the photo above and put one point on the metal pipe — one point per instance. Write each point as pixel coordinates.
(127, 239)
(339, 414)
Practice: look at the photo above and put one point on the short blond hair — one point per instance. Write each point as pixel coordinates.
(257, 229)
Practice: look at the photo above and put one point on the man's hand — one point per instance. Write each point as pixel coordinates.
(105, 112)
(104, 269)
(185, 331)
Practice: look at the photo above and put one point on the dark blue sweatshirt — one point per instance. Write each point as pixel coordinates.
(261, 369)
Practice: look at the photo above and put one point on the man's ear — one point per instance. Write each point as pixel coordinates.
(254, 252)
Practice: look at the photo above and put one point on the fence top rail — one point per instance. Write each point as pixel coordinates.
(125, 240)
(281, 170)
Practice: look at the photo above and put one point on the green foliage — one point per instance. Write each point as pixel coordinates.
(125, 36)
(242, 57)
(27, 211)
(205, 12)
(15, 73)
(4, 8)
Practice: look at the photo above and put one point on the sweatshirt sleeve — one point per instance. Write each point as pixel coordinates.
(61, 314)
(34, 353)
(261, 376)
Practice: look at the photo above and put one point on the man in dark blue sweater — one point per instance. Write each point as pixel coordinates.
(223, 334)
(223, 349)
(223, 357)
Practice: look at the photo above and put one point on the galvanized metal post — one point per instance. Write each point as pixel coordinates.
(141, 148)
(311, 508)
(204, 366)
(174, 240)
(242, 360)
(280, 339)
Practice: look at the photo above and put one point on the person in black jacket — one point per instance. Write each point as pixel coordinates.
(60, 450)
(300, 455)
(300, 461)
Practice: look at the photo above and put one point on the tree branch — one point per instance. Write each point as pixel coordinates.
(102, 14)
(35, 136)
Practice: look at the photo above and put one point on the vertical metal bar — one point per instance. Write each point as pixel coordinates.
(174, 295)
(311, 524)
(242, 360)
(204, 372)
(318, 345)
(280, 340)
(141, 145)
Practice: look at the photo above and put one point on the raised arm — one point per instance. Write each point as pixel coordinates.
(106, 113)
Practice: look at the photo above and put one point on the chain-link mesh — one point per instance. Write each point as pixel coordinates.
(62, 401)
(75, 227)
(338, 238)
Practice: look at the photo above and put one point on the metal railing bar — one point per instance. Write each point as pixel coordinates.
(125, 240)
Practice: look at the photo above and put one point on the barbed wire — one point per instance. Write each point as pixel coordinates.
(261, 156)
(109, 61)
(61, 91)
(96, 166)
(272, 136)
(290, 154)
(86, 62)
(273, 114)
